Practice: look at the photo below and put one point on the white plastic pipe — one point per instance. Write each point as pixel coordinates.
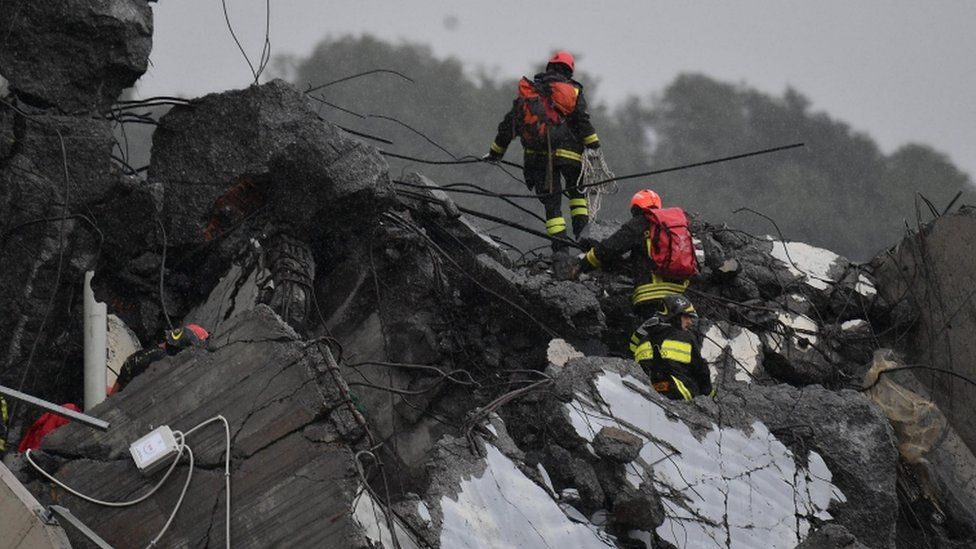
(96, 354)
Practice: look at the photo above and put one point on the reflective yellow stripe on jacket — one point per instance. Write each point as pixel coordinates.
(657, 289)
(560, 153)
(496, 148)
(589, 139)
(3, 424)
(644, 351)
(685, 393)
(678, 351)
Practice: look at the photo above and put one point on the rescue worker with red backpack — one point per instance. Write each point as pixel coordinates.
(662, 253)
(550, 118)
(662, 256)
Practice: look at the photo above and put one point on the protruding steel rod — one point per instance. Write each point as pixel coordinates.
(60, 410)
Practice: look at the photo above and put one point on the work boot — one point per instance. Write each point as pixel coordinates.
(579, 223)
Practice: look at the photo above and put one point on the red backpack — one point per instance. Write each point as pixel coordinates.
(542, 107)
(669, 243)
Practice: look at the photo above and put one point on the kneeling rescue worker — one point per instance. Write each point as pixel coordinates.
(669, 353)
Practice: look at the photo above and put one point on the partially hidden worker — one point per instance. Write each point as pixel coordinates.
(45, 425)
(670, 354)
(191, 335)
(550, 118)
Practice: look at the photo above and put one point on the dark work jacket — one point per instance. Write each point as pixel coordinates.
(634, 237)
(567, 146)
(664, 351)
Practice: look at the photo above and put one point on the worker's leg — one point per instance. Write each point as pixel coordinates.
(578, 207)
(552, 202)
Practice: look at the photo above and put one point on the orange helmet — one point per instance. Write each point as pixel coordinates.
(644, 199)
(564, 57)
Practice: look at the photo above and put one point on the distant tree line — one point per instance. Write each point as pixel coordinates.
(839, 191)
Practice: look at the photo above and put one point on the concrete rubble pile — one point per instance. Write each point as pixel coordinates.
(391, 377)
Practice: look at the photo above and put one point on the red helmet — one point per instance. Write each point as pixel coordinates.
(564, 57)
(645, 198)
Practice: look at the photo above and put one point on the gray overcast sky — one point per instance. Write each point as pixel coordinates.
(901, 71)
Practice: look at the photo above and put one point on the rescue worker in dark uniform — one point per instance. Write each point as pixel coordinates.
(670, 354)
(191, 335)
(556, 167)
(634, 237)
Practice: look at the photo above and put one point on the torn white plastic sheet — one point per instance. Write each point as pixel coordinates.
(725, 488)
(504, 509)
(818, 267)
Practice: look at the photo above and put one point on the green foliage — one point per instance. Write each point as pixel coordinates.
(840, 191)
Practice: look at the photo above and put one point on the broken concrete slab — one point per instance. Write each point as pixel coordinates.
(268, 135)
(75, 55)
(824, 476)
(293, 431)
(932, 270)
(22, 518)
(485, 500)
(851, 435)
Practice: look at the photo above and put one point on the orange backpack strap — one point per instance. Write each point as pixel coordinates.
(564, 96)
(527, 89)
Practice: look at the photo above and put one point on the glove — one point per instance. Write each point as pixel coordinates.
(491, 157)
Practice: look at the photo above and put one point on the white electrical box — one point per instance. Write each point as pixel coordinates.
(154, 450)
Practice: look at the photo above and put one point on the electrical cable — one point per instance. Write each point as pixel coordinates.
(399, 220)
(179, 502)
(358, 75)
(238, 42)
(179, 453)
(181, 446)
(226, 468)
(503, 221)
(604, 181)
(162, 275)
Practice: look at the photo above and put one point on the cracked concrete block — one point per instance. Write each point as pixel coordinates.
(762, 465)
(77, 55)
(617, 445)
(291, 447)
(270, 136)
(486, 500)
(929, 278)
(639, 508)
(562, 306)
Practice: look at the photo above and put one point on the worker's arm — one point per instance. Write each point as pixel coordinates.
(579, 122)
(506, 132)
(614, 246)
